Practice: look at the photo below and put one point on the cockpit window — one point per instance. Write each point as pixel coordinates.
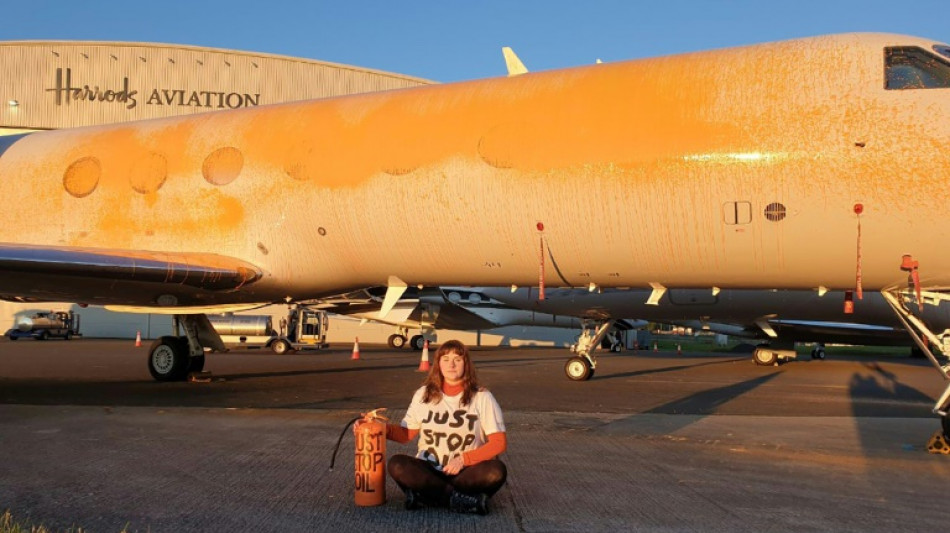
(943, 50)
(910, 67)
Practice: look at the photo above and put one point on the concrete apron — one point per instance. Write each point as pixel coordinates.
(198, 469)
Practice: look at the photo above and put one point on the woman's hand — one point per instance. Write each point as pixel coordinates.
(454, 466)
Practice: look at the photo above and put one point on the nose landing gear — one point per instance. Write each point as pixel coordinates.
(940, 441)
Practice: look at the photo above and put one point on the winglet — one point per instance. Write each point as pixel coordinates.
(514, 64)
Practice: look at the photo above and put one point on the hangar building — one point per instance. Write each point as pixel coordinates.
(60, 84)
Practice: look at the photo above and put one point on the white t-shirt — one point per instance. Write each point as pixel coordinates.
(447, 429)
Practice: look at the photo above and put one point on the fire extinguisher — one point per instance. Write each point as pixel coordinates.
(370, 464)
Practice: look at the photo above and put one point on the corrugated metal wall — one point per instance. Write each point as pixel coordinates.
(69, 84)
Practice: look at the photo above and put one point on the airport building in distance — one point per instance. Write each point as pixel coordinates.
(65, 84)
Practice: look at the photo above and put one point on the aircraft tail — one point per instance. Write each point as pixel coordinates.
(514, 64)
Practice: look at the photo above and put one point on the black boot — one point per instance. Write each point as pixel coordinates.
(463, 503)
(413, 500)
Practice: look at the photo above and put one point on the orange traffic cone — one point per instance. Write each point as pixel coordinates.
(138, 339)
(424, 361)
(356, 349)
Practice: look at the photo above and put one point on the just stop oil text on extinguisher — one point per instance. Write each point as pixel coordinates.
(369, 487)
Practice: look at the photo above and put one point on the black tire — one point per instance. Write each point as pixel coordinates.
(196, 364)
(945, 423)
(12, 337)
(764, 357)
(68, 335)
(417, 342)
(43, 335)
(280, 347)
(578, 369)
(168, 359)
(397, 341)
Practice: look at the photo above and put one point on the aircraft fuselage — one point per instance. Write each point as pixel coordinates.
(736, 168)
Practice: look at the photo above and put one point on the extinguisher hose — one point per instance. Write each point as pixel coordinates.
(339, 440)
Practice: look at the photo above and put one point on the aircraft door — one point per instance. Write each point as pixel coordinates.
(738, 237)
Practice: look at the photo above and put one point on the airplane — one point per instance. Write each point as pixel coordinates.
(816, 162)
(781, 318)
(434, 308)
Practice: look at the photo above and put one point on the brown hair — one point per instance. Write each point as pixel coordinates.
(434, 380)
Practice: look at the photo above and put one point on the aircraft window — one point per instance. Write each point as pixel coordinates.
(910, 67)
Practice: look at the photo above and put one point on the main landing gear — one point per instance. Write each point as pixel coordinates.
(401, 339)
(773, 354)
(397, 340)
(582, 366)
(940, 441)
(172, 358)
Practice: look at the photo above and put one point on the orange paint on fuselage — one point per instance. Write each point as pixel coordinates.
(631, 166)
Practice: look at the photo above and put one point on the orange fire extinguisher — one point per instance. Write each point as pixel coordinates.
(370, 464)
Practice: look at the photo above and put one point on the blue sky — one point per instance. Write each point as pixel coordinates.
(454, 40)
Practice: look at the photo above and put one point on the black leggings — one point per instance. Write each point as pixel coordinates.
(435, 487)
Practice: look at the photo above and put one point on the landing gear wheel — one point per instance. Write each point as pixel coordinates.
(69, 335)
(764, 357)
(168, 359)
(417, 342)
(818, 353)
(12, 337)
(945, 423)
(578, 369)
(196, 364)
(43, 336)
(280, 347)
(397, 341)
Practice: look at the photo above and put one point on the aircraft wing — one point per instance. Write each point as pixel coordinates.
(128, 277)
(807, 331)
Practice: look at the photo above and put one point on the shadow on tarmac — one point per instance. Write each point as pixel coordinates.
(873, 395)
(635, 373)
(879, 384)
(700, 405)
(707, 402)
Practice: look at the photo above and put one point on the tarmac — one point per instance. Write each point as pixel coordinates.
(655, 442)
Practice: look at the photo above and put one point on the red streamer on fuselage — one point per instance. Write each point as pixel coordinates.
(541, 272)
(858, 289)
